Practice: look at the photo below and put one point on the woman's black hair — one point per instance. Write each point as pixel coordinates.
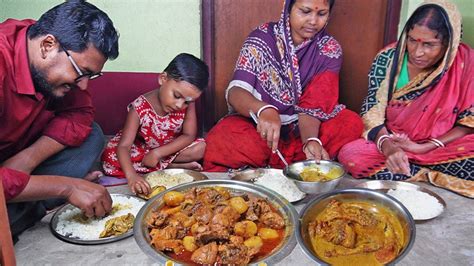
(331, 3)
(77, 24)
(187, 67)
(433, 18)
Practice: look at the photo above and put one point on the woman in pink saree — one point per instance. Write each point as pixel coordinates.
(418, 115)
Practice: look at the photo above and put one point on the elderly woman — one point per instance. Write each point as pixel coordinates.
(418, 114)
(288, 75)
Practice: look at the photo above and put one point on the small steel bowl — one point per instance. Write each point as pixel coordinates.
(142, 236)
(318, 204)
(294, 170)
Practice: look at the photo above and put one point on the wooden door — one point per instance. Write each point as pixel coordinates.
(362, 27)
(226, 24)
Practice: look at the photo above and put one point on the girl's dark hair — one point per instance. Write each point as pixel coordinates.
(432, 17)
(331, 3)
(187, 67)
(77, 24)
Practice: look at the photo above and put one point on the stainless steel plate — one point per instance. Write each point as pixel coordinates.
(252, 175)
(386, 185)
(55, 219)
(142, 236)
(194, 174)
(173, 171)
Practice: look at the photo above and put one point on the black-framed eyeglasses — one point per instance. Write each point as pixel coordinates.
(82, 75)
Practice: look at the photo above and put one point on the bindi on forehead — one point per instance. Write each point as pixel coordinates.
(421, 40)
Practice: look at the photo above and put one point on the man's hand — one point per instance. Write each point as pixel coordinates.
(91, 198)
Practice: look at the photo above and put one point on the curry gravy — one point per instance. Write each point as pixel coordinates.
(356, 233)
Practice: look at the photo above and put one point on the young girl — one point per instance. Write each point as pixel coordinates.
(160, 130)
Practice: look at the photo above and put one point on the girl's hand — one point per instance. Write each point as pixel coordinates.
(396, 159)
(313, 150)
(268, 127)
(152, 158)
(138, 185)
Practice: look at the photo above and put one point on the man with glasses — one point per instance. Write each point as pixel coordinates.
(47, 134)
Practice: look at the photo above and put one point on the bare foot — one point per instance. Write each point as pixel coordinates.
(191, 165)
(93, 176)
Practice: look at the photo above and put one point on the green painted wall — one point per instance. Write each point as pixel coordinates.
(465, 6)
(152, 32)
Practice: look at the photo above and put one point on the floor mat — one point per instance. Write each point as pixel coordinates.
(109, 181)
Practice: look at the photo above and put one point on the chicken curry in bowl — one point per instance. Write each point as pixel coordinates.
(218, 225)
(356, 227)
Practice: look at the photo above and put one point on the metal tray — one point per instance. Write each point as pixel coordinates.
(251, 175)
(386, 185)
(55, 219)
(141, 230)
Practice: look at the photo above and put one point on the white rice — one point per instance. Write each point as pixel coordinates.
(421, 205)
(282, 185)
(90, 230)
(167, 180)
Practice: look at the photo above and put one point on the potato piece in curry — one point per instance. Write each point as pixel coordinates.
(211, 226)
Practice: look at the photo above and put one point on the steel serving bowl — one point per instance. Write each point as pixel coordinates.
(294, 170)
(318, 204)
(289, 213)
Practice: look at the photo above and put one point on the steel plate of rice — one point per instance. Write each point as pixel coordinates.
(69, 223)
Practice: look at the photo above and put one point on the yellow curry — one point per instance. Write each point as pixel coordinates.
(314, 174)
(356, 233)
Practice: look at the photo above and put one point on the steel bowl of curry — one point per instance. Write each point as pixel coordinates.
(217, 222)
(315, 178)
(356, 227)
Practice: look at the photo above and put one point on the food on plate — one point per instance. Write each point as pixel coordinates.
(118, 225)
(421, 205)
(356, 232)
(160, 178)
(154, 191)
(210, 225)
(239, 204)
(282, 185)
(314, 174)
(73, 224)
(267, 233)
(173, 198)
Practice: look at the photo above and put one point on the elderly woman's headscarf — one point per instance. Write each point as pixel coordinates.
(452, 18)
(373, 114)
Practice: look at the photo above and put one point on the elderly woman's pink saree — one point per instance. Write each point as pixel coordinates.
(429, 106)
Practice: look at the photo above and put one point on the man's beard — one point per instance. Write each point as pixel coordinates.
(40, 83)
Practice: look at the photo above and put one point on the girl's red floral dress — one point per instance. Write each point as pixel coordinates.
(154, 131)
